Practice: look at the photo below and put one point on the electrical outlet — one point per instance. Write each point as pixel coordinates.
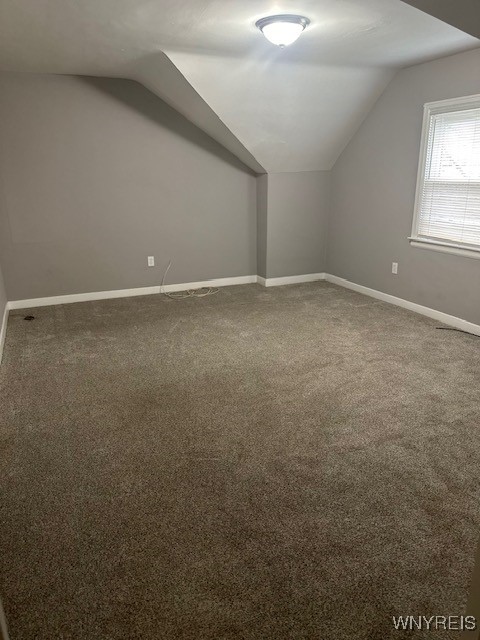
(151, 261)
(395, 267)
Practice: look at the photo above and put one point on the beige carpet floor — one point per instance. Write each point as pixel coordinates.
(297, 462)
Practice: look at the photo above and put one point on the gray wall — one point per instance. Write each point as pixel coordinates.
(298, 208)
(3, 298)
(98, 174)
(373, 192)
(262, 215)
(3, 293)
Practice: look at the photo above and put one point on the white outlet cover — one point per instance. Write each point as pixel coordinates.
(151, 261)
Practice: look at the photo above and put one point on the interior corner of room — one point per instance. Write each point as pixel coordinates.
(306, 186)
(98, 181)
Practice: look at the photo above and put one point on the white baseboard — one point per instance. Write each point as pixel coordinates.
(445, 318)
(3, 330)
(278, 282)
(128, 293)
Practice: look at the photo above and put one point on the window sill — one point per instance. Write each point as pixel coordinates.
(445, 247)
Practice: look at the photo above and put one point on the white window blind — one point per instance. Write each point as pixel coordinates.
(448, 189)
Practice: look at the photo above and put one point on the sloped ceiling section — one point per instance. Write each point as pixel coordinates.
(463, 14)
(163, 78)
(277, 110)
(291, 116)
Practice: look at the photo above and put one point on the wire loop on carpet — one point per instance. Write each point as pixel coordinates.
(189, 293)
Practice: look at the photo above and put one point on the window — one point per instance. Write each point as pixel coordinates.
(447, 204)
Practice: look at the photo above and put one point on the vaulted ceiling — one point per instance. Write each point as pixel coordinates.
(278, 110)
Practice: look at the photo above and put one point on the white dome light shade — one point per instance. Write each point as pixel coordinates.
(282, 30)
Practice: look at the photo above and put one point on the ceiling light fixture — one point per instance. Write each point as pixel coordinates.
(282, 30)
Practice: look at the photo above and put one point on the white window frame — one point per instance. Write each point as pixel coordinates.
(430, 109)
